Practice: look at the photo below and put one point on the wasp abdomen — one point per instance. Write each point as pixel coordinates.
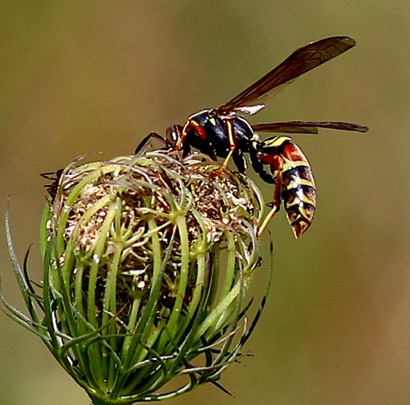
(300, 206)
(298, 190)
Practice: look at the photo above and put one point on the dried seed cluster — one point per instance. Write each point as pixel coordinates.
(129, 209)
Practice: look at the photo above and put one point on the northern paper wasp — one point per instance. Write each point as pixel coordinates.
(223, 132)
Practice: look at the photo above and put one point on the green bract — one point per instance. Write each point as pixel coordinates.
(146, 264)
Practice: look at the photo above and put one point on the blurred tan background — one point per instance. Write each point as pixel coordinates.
(79, 77)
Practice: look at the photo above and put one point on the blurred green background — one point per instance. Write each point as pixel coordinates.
(80, 77)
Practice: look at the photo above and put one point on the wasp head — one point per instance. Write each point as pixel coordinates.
(173, 135)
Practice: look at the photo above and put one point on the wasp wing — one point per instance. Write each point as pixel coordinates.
(299, 62)
(307, 127)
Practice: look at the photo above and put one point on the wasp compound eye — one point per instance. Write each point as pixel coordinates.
(173, 134)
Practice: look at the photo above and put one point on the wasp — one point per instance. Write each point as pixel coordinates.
(223, 132)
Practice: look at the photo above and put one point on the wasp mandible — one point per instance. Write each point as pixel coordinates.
(223, 132)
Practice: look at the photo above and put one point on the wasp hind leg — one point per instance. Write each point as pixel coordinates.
(276, 178)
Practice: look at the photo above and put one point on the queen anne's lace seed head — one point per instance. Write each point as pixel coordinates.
(147, 261)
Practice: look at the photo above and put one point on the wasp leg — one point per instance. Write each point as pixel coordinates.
(232, 148)
(240, 161)
(276, 163)
(258, 167)
(147, 138)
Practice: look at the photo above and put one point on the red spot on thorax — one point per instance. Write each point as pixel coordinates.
(199, 129)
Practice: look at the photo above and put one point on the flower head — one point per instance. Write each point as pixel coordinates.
(147, 260)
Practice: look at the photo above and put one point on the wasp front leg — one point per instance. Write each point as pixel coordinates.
(144, 142)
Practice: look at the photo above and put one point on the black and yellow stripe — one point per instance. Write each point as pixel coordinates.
(294, 183)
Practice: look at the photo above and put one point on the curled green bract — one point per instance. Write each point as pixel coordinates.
(147, 262)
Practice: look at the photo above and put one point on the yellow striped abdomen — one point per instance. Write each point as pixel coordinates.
(293, 179)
